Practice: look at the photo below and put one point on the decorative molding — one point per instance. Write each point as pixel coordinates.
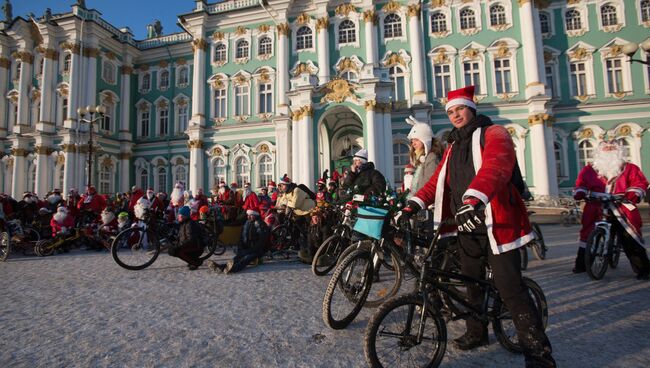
(5, 63)
(548, 57)
(541, 118)
(440, 57)
(75, 48)
(241, 118)
(199, 43)
(393, 59)
(263, 28)
(615, 51)
(624, 131)
(542, 4)
(579, 53)
(338, 90)
(370, 16)
(217, 83)
(110, 55)
(344, 10)
(162, 104)
(218, 36)
(91, 52)
(60, 160)
(143, 68)
(163, 63)
(384, 107)
(303, 19)
(181, 61)
(523, 2)
(322, 23)
(68, 147)
(413, 10)
(302, 112)
(264, 77)
(241, 30)
(586, 134)
(391, 7)
(127, 70)
(347, 64)
(438, 3)
(196, 144)
(471, 54)
(264, 148)
(43, 150)
(18, 152)
(283, 29)
(573, 2)
(503, 51)
(51, 54)
(303, 68)
(370, 105)
(240, 80)
(24, 56)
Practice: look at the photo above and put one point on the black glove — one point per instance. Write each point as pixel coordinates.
(467, 216)
(412, 207)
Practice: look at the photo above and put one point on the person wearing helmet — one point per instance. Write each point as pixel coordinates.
(190, 245)
(123, 221)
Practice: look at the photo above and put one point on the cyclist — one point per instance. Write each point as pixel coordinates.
(296, 201)
(610, 173)
(190, 245)
(362, 177)
(466, 190)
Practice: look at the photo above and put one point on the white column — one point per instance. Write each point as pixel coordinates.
(295, 149)
(198, 82)
(19, 151)
(283, 70)
(370, 28)
(90, 56)
(533, 50)
(69, 167)
(196, 164)
(375, 138)
(5, 67)
(125, 170)
(538, 152)
(323, 50)
(282, 147)
(46, 116)
(75, 86)
(23, 88)
(306, 150)
(417, 63)
(553, 189)
(44, 168)
(125, 104)
(387, 130)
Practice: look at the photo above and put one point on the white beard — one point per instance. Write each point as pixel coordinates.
(138, 210)
(59, 217)
(177, 198)
(107, 217)
(222, 190)
(608, 163)
(246, 193)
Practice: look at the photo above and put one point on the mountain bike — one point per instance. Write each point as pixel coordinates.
(605, 242)
(572, 215)
(16, 236)
(328, 253)
(410, 330)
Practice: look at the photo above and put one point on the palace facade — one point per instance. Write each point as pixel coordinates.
(249, 90)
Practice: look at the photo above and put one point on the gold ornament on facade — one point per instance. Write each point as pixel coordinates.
(394, 59)
(303, 19)
(36, 94)
(370, 105)
(5, 63)
(163, 63)
(217, 151)
(541, 118)
(542, 4)
(347, 64)
(181, 61)
(344, 10)
(283, 29)
(217, 83)
(110, 55)
(303, 68)
(60, 160)
(181, 102)
(124, 156)
(127, 70)
(503, 51)
(264, 148)
(240, 30)
(91, 52)
(582, 98)
(196, 143)
(586, 133)
(413, 10)
(143, 107)
(573, 2)
(162, 104)
(75, 48)
(369, 16)
(623, 131)
(51, 54)
(522, 2)
(438, 3)
(143, 68)
(19, 152)
(338, 90)
(506, 96)
(620, 94)
(579, 53)
(511, 131)
(218, 36)
(615, 51)
(471, 54)
(440, 57)
(322, 23)
(199, 44)
(24, 56)
(240, 79)
(43, 150)
(548, 56)
(302, 112)
(391, 7)
(263, 28)
(68, 147)
(265, 77)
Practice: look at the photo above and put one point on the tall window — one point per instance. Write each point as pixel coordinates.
(544, 24)
(614, 75)
(472, 74)
(241, 100)
(220, 103)
(106, 120)
(627, 153)
(266, 98)
(579, 78)
(180, 174)
(219, 173)
(572, 19)
(19, 67)
(64, 108)
(550, 81)
(397, 75)
(347, 33)
(467, 19)
(442, 80)
(265, 170)
(503, 75)
(162, 179)
(242, 49)
(105, 179)
(144, 123)
(31, 184)
(585, 153)
(392, 26)
(497, 15)
(645, 10)
(304, 38)
(241, 171)
(183, 76)
(146, 82)
(144, 178)
(400, 160)
(164, 79)
(438, 23)
(608, 15)
(220, 53)
(163, 121)
(557, 148)
(265, 46)
(108, 72)
(182, 118)
(67, 61)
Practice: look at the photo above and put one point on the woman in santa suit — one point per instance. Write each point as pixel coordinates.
(472, 184)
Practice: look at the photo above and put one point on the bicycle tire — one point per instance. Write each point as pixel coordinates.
(328, 254)
(128, 249)
(209, 249)
(595, 260)
(539, 247)
(523, 252)
(220, 248)
(615, 251)
(387, 280)
(566, 218)
(44, 248)
(506, 333)
(397, 323)
(344, 281)
(280, 237)
(5, 246)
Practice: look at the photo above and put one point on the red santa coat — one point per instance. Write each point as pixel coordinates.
(251, 202)
(506, 219)
(202, 199)
(631, 179)
(68, 222)
(110, 228)
(95, 203)
(137, 194)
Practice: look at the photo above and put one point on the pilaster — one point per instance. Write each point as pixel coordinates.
(125, 99)
(69, 168)
(322, 28)
(283, 69)
(75, 85)
(46, 122)
(22, 122)
(541, 139)
(198, 82)
(533, 49)
(370, 29)
(4, 77)
(303, 146)
(19, 150)
(417, 64)
(283, 147)
(124, 162)
(197, 159)
(44, 168)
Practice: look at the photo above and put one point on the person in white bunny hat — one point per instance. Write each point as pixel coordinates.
(425, 152)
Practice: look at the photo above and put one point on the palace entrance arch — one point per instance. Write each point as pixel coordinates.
(340, 135)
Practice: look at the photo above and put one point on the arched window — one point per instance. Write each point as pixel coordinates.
(627, 153)
(392, 26)
(19, 67)
(241, 100)
(400, 160)
(164, 79)
(162, 179)
(349, 76)
(183, 76)
(183, 116)
(67, 60)
(180, 174)
(497, 15)
(347, 32)
(219, 171)
(105, 179)
(304, 38)
(467, 19)
(544, 23)
(585, 153)
(59, 175)
(645, 10)
(265, 170)
(242, 49)
(241, 171)
(572, 20)
(220, 52)
(265, 46)
(146, 82)
(557, 148)
(144, 178)
(438, 23)
(608, 15)
(397, 75)
(106, 121)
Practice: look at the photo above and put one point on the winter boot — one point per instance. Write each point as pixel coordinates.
(470, 341)
(579, 266)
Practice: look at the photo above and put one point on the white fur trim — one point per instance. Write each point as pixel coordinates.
(626, 225)
(439, 199)
(418, 201)
(640, 192)
(460, 101)
(582, 244)
(576, 190)
(477, 194)
(499, 249)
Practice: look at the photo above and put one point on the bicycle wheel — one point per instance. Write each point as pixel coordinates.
(615, 253)
(5, 246)
(392, 337)
(539, 247)
(209, 249)
(45, 247)
(134, 249)
(280, 237)
(503, 325)
(220, 247)
(523, 251)
(595, 259)
(328, 253)
(347, 290)
(387, 278)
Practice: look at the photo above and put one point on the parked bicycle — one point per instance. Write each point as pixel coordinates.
(572, 215)
(15, 236)
(410, 330)
(329, 251)
(604, 244)
(537, 245)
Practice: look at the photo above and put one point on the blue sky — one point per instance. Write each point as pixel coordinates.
(135, 14)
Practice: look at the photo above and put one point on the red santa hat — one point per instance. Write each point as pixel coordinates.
(271, 184)
(321, 181)
(285, 180)
(234, 185)
(409, 169)
(462, 96)
(222, 184)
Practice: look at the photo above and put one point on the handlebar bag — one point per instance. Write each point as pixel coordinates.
(370, 221)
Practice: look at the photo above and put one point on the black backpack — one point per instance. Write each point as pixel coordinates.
(309, 192)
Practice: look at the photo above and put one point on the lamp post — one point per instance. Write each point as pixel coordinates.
(96, 113)
(630, 49)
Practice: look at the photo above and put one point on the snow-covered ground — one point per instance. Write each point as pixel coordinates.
(82, 310)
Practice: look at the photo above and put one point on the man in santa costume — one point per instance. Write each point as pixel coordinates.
(610, 173)
(92, 202)
(472, 184)
(177, 199)
(155, 204)
(273, 192)
(61, 222)
(226, 199)
(408, 177)
(251, 202)
(108, 228)
(136, 194)
(239, 200)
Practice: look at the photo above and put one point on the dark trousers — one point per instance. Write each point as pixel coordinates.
(506, 273)
(189, 254)
(635, 252)
(243, 258)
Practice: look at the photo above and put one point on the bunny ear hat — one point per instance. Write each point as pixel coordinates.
(421, 131)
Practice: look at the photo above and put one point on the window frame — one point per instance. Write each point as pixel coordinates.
(476, 9)
(307, 39)
(246, 174)
(395, 26)
(581, 10)
(263, 177)
(141, 82)
(266, 55)
(507, 15)
(346, 36)
(112, 70)
(494, 51)
(181, 102)
(242, 52)
(619, 12)
(640, 10)
(142, 108)
(179, 73)
(625, 70)
(398, 168)
(550, 24)
(160, 86)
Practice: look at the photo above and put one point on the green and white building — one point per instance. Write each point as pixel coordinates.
(249, 90)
